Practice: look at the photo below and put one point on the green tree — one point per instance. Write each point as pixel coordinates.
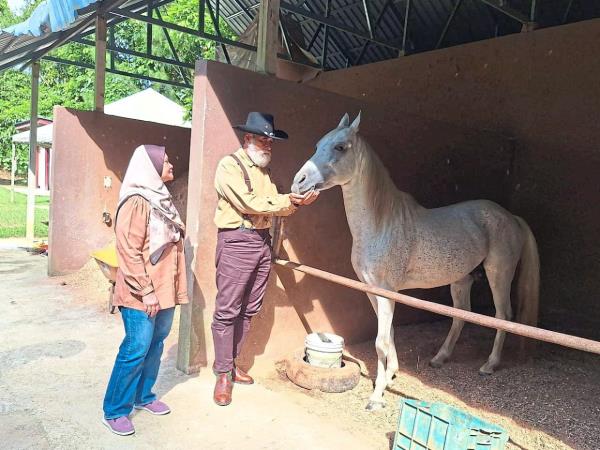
(131, 35)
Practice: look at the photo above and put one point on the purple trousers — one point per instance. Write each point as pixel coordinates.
(243, 261)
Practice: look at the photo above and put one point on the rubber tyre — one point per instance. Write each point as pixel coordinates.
(304, 375)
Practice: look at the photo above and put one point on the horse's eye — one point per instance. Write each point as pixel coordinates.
(340, 148)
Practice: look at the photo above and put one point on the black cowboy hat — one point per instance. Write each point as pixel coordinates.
(262, 125)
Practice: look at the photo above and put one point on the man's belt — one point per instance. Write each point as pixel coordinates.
(246, 230)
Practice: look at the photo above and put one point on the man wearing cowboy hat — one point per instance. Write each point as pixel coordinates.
(247, 201)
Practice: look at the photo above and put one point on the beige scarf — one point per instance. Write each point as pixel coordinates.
(165, 225)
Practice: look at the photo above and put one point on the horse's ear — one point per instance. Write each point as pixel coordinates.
(356, 123)
(345, 121)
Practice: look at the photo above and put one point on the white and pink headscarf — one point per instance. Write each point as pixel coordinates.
(143, 178)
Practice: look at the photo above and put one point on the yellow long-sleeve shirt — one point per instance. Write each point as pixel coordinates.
(235, 200)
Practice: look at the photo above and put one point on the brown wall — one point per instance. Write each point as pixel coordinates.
(543, 89)
(87, 146)
(436, 161)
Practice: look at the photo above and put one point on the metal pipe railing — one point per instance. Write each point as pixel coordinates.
(566, 340)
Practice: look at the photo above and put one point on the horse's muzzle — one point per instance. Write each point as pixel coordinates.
(307, 179)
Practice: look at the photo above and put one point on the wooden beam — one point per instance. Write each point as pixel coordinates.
(268, 25)
(35, 83)
(99, 83)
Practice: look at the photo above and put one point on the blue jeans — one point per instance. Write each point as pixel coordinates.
(138, 360)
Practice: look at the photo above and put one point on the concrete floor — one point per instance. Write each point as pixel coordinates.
(56, 355)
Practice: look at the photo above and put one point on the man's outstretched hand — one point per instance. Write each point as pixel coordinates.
(304, 199)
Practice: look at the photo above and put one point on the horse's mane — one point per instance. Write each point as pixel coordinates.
(388, 200)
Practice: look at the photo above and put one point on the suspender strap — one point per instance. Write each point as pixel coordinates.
(247, 180)
(246, 176)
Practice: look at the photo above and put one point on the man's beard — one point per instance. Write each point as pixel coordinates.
(259, 157)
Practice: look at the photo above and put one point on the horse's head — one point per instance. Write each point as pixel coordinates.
(334, 160)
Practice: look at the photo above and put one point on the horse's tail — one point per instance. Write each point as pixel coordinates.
(528, 279)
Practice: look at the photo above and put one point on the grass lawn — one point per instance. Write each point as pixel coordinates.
(13, 215)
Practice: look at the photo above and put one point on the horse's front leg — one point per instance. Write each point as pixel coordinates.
(391, 363)
(385, 314)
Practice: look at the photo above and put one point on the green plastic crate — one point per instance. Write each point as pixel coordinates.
(437, 426)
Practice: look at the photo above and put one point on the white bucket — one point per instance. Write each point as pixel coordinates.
(324, 349)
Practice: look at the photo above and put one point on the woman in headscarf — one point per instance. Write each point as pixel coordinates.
(151, 280)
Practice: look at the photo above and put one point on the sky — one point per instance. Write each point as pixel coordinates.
(16, 5)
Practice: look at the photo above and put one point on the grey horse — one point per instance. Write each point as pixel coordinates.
(398, 244)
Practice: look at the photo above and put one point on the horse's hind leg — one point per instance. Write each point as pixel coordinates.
(500, 277)
(461, 298)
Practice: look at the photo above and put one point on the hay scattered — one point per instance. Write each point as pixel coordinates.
(89, 285)
(549, 402)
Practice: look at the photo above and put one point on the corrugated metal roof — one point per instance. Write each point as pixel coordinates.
(20, 49)
(474, 20)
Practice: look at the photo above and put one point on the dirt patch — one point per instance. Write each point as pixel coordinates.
(56, 356)
(548, 402)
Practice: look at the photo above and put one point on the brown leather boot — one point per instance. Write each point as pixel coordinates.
(241, 377)
(223, 388)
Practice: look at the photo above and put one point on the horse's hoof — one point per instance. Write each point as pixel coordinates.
(374, 406)
(486, 371)
(436, 364)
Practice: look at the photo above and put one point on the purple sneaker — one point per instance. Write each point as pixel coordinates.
(121, 425)
(156, 407)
